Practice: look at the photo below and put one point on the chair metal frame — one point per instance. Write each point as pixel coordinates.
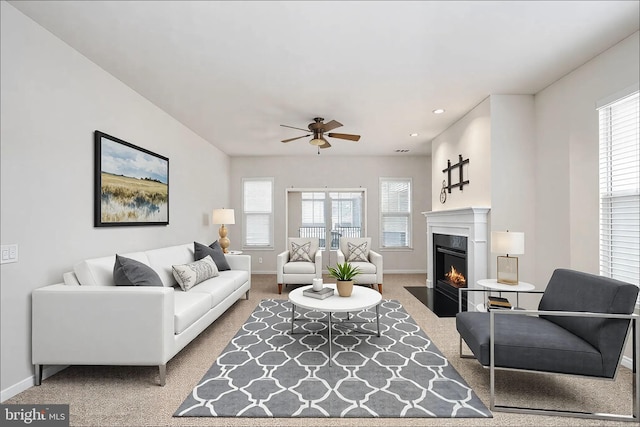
(635, 336)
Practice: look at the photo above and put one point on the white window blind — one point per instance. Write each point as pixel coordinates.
(620, 189)
(257, 209)
(313, 209)
(395, 212)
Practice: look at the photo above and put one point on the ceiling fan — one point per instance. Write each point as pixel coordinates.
(318, 128)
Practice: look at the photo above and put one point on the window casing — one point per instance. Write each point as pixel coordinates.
(257, 211)
(395, 213)
(620, 189)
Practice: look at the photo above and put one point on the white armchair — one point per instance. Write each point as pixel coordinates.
(300, 263)
(357, 251)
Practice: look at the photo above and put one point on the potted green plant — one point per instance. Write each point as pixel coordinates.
(344, 274)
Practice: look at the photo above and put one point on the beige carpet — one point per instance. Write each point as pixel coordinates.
(130, 396)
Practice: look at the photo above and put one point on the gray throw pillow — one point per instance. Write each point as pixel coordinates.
(129, 272)
(214, 250)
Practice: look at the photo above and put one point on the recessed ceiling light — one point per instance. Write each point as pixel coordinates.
(438, 111)
(413, 134)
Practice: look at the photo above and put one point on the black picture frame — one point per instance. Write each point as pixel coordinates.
(131, 184)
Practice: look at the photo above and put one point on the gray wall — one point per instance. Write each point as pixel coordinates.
(52, 100)
(337, 172)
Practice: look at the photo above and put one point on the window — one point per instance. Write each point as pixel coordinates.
(395, 212)
(257, 210)
(620, 189)
(313, 209)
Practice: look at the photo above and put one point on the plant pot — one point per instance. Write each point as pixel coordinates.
(345, 288)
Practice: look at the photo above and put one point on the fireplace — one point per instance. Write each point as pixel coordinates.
(450, 273)
(472, 224)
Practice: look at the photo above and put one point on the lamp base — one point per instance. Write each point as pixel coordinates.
(507, 270)
(223, 240)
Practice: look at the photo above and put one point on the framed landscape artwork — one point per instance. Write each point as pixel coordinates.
(131, 184)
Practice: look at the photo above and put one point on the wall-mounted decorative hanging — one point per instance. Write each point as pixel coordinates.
(461, 182)
(131, 184)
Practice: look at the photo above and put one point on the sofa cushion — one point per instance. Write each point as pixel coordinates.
(215, 251)
(218, 288)
(299, 268)
(239, 277)
(99, 271)
(161, 260)
(129, 272)
(189, 307)
(189, 275)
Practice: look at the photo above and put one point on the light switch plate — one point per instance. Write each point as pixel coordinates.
(9, 254)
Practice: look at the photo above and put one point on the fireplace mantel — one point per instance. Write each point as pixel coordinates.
(469, 222)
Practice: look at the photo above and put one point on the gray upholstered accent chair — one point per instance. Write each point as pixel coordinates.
(580, 328)
(294, 269)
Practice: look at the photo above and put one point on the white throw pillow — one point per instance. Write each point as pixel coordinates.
(358, 253)
(313, 247)
(344, 245)
(189, 275)
(300, 252)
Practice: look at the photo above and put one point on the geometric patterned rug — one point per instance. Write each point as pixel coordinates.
(265, 371)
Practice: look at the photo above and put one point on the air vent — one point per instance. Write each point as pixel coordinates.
(402, 150)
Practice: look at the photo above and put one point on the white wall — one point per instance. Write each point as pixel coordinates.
(498, 138)
(470, 137)
(337, 172)
(567, 204)
(53, 99)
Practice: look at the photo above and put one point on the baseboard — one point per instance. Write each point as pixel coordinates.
(29, 382)
(627, 362)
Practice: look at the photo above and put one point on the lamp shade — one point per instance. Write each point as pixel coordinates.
(507, 242)
(316, 141)
(223, 216)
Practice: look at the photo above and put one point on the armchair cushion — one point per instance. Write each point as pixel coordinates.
(527, 342)
(364, 267)
(314, 244)
(358, 253)
(356, 241)
(300, 253)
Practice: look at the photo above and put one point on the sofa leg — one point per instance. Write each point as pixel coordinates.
(380, 287)
(163, 374)
(247, 295)
(279, 288)
(38, 374)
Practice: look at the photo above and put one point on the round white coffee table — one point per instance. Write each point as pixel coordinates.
(492, 284)
(361, 298)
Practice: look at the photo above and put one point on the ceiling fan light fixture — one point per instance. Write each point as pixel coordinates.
(317, 141)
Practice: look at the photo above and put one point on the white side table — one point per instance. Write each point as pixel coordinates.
(493, 285)
(234, 253)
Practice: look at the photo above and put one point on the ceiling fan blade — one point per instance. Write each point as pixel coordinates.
(325, 145)
(293, 139)
(345, 136)
(331, 126)
(303, 130)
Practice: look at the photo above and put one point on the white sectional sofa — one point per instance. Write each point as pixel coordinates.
(87, 320)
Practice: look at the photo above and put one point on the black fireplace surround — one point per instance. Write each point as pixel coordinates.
(448, 252)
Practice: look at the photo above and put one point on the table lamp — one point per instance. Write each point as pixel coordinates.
(506, 242)
(222, 217)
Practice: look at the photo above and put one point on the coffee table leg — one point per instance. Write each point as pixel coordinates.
(330, 350)
(293, 315)
(378, 318)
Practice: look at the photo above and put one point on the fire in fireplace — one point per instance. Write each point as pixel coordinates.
(455, 278)
(450, 270)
